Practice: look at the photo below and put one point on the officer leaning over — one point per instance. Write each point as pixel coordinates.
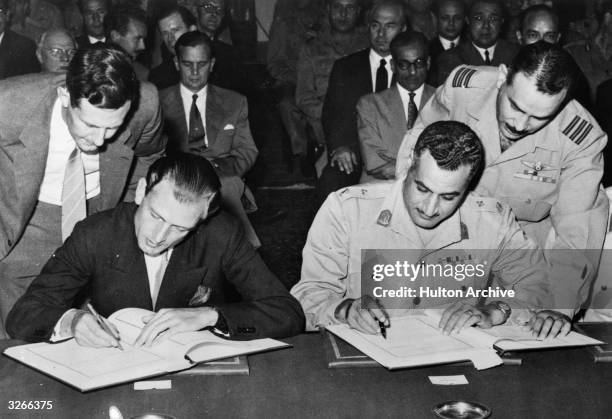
(543, 157)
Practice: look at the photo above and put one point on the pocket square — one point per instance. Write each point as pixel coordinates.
(228, 127)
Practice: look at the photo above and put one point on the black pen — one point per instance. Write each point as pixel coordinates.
(103, 324)
(383, 329)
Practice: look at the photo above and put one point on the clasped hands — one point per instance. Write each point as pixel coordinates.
(161, 325)
(364, 314)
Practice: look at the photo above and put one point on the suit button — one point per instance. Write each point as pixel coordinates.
(9, 242)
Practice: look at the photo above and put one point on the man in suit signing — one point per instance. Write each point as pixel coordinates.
(351, 78)
(66, 151)
(210, 121)
(171, 252)
(484, 47)
(384, 117)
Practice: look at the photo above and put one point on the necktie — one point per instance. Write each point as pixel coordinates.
(382, 78)
(452, 45)
(196, 127)
(73, 193)
(413, 111)
(487, 58)
(159, 276)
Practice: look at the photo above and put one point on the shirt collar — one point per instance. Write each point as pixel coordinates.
(93, 40)
(185, 92)
(446, 42)
(2, 36)
(417, 93)
(375, 59)
(481, 51)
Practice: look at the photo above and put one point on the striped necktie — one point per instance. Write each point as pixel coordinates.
(73, 193)
(196, 127)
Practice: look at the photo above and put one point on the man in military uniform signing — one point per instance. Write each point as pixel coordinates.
(543, 153)
(427, 209)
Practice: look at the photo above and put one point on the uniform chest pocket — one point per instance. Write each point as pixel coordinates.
(528, 209)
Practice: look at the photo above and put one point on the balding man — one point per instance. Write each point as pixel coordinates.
(56, 48)
(351, 78)
(538, 23)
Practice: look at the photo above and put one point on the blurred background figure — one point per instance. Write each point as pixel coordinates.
(421, 18)
(56, 48)
(538, 23)
(126, 26)
(32, 17)
(17, 52)
(93, 13)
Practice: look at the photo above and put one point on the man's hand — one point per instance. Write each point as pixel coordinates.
(364, 314)
(344, 159)
(170, 321)
(462, 314)
(87, 331)
(549, 323)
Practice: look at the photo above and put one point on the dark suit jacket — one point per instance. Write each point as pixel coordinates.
(230, 143)
(26, 103)
(466, 53)
(435, 48)
(83, 41)
(103, 257)
(227, 72)
(17, 55)
(350, 79)
(382, 126)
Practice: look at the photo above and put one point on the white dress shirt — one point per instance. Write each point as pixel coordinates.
(446, 44)
(405, 96)
(61, 145)
(187, 98)
(93, 40)
(375, 63)
(481, 51)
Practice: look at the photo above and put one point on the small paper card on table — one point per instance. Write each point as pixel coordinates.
(448, 380)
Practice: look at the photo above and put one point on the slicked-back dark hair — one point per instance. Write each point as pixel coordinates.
(538, 8)
(118, 19)
(452, 144)
(192, 39)
(186, 16)
(406, 38)
(435, 8)
(103, 75)
(498, 3)
(193, 177)
(552, 66)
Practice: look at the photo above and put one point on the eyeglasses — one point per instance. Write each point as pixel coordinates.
(60, 53)
(405, 65)
(211, 8)
(491, 20)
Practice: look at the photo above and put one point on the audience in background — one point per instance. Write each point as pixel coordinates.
(17, 52)
(207, 120)
(351, 78)
(172, 23)
(383, 118)
(93, 12)
(421, 18)
(538, 23)
(451, 20)
(343, 37)
(56, 48)
(32, 17)
(484, 46)
(126, 26)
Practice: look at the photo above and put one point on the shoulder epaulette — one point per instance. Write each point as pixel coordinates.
(373, 191)
(578, 129)
(463, 76)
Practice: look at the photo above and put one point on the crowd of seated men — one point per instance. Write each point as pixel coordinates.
(94, 94)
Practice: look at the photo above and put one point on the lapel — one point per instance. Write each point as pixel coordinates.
(395, 112)
(182, 278)
(115, 163)
(175, 113)
(470, 54)
(364, 76)
(214, 114)
(30, 162)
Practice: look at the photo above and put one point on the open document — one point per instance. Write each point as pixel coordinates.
(417, 341)
(90, 368)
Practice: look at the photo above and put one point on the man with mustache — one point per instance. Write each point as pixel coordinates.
(543, 157)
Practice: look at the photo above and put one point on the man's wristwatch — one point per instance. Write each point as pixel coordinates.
(504, 308)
